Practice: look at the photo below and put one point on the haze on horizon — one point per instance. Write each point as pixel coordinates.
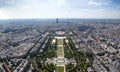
(17, 9)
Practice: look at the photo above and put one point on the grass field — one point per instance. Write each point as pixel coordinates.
(60, 42)
(60, 52)
(60, 68)
(60, 49)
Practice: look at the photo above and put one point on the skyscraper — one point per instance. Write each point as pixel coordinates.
(57, 21)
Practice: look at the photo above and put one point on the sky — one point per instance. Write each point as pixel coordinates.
(20, 9)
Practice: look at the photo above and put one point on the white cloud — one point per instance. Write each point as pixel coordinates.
(61, 2)
(3, 15)
(96, 3)
(27, 7)
(85, 10)
(99, 13)
(57, 9)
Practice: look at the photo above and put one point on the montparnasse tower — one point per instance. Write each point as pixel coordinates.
(57, 20)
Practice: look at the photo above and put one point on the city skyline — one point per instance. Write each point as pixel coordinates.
(14, 9)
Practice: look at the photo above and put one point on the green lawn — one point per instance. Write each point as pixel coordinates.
(60, 48)
(60, 51)
(60, 42)
(60, 69)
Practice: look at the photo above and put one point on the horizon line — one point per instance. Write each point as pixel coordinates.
(54, 18)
